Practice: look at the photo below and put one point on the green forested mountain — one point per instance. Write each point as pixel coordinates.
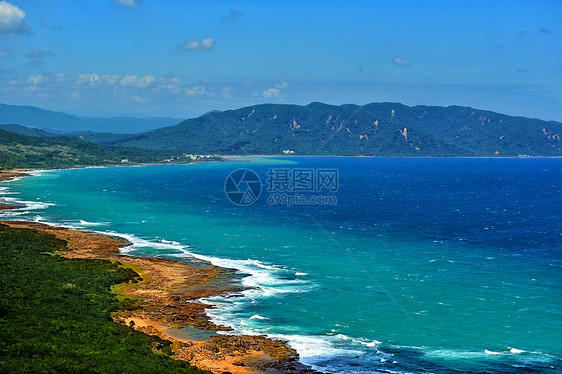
(380, 129)
(22, 151)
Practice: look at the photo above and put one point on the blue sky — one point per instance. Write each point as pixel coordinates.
(182, 58)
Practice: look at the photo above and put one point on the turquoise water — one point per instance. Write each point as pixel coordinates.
(424, 265)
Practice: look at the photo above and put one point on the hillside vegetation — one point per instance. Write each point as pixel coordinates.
(22, 151)
(55, 313)
(379, 129)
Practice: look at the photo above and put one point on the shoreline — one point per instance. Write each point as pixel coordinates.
(167, 303)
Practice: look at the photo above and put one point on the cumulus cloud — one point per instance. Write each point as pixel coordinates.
(133, 80)
(232, 15)
(128, 3)
(401, 62)
(206, 44)
(125, 90)
(271, 93)
(5, 53)
(275, 91)
(38, 54)
(36, 80)
(195, 90)
(12, 20)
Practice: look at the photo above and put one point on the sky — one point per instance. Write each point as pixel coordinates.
(182, 58)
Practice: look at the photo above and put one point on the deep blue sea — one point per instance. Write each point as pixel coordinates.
(399, 265)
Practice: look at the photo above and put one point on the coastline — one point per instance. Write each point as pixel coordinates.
(371, 345)
(167, 304)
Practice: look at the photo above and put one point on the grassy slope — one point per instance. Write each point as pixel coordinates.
(22, 151)
(55, 313)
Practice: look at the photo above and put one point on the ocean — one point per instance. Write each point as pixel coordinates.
(398, 265)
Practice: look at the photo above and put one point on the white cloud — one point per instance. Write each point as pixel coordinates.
(206, 44)
(129, 3)
(36, 80)
(270, 93)
(90, 79)
(5, 52)
(12, 20)
(110, 80)
(195, 90)
(133, 80)
(274, 91)
(401, 62)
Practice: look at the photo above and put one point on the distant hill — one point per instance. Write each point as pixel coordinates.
(22, 151)
(29, 131)
(380, 129)
(63, 123)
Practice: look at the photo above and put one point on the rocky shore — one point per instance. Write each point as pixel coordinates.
(166, 302)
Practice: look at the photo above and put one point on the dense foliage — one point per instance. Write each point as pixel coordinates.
(55, 313)
(22, 151)
(380, 129)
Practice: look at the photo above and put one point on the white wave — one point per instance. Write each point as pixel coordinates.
(27, 205)
(39, 172)
(7, 191)
(486, 354)
(367, 343)
(13, 179)
(263, 280)
(299, 274)
(257, 316)
(86, 223)
(42, 220)
(312, 348)
(139, 243)
(11, 213)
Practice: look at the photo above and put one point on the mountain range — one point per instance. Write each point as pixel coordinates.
(57, 122)
(377, 129)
